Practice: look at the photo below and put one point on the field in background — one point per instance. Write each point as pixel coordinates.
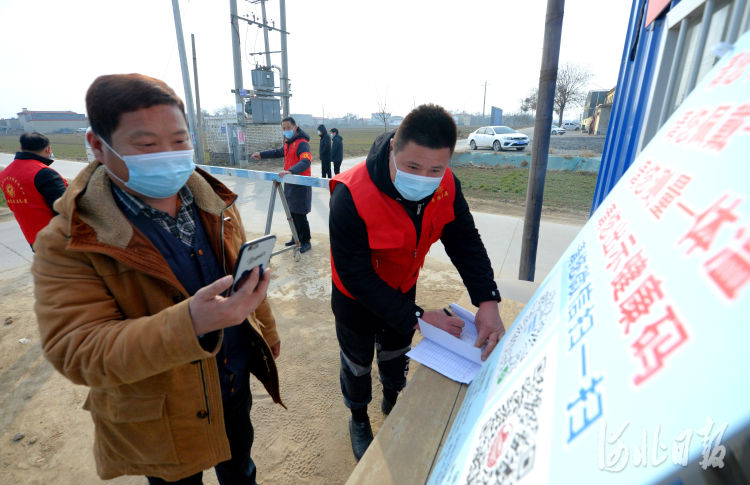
(565, 192)
(496, 189)
(357, 142)
(64, 146)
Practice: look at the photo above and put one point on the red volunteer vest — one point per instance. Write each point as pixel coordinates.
(396, 256)
(28, 205)
(291, 158)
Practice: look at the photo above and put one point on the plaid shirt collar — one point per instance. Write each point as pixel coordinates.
(182, 226)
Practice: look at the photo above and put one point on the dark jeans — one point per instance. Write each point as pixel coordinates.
(361, 334)
(240, 469)
(326, 165)
(302, 227)
(336, 167)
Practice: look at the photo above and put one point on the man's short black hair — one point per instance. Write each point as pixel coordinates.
(33, 141)
(335, 130)
(428, 125)
(112, 95)
(290, 120)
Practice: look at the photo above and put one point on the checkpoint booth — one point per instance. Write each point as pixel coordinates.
(629, 364)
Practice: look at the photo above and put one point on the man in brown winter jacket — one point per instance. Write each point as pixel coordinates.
(130, 283)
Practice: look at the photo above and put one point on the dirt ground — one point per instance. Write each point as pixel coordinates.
(46, 438)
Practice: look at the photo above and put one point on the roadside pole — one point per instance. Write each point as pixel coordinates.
(198, 114)
(198, 147)
(540, 147)
(238, 140)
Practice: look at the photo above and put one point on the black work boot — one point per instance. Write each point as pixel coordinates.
(389, 400)
(360, 433)
(290, 243)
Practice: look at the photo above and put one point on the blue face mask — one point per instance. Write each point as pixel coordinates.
(414, 187)
(156, 175)
(288, 134)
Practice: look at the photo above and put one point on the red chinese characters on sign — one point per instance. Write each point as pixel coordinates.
(639, 303)
(657, 187)
(631, 271)
(733, 70)
(712, 128)
(729, 269)
(708, 223)
(645, 295)
(657, 341)
(616, 237)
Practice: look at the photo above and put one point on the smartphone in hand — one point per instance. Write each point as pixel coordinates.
(253, 253)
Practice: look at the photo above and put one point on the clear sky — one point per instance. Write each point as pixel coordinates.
(345, 56)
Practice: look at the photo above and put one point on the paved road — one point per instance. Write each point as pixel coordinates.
(571, 141)
(501, 234)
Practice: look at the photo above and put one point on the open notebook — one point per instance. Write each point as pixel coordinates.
(455, 358)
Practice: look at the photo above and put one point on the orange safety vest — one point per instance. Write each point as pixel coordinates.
(291, 159)
(396, 256)
(28, 205)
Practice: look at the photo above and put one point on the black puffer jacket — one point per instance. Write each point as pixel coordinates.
(337, 148)
(325, 144)
(351, 252)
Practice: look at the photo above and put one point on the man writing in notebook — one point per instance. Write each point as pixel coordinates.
(385, 214)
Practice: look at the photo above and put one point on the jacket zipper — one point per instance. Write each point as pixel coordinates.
(419, 208)
(205, 392)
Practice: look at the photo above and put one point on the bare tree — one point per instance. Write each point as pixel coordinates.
(382, 114)
(570, 88)
(529, 102)
(225, 111)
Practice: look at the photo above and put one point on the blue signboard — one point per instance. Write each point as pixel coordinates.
(496, 116)
(629, 363)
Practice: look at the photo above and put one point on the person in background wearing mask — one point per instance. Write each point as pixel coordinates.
(337, 150)
(132, 282)
(385, 214)
(30, 186)
(325, 152)
(297, 160)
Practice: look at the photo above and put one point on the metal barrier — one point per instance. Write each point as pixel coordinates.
(276, 189)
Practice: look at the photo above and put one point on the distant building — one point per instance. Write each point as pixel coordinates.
(603, 112)
(51, 121)
(304, 120)
(10, 126)
(593, 99)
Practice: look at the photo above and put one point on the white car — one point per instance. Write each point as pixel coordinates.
(498, 138)
(556, 130)
(571, 125)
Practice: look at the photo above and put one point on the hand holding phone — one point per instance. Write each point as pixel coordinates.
(214, 307)
(255, 253)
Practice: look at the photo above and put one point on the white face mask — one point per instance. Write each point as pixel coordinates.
(157, 175)
(414, 187)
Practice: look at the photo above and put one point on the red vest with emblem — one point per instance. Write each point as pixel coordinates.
(396, 256)
(28, 205)
(291, 158)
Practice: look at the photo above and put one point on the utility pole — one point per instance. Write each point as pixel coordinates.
(284, 65)
(186, 78)
(265, 33)
(484, 100)
(199, 115)
(240, 150)
(540, 149)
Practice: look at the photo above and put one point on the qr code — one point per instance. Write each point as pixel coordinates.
(506, 445)
(525, 334)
